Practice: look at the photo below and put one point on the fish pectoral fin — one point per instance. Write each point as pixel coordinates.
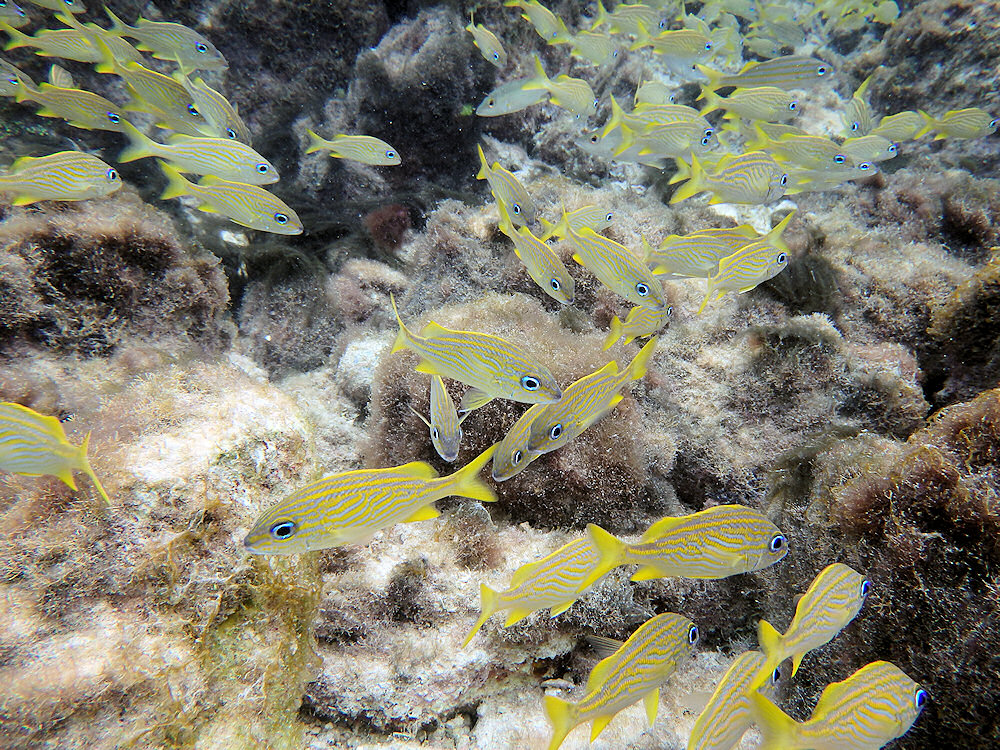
(66, 475)
(474, 398)
(23, 200)
(207, 209)
(426, 367)
(598, 725)
(516, 615)
(424, 514)
(646, 573)
(652, 704)
(560, 608)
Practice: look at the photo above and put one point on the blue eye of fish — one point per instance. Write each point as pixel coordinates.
(855, 126)
(530, 383)
(775, 675)
(496, 56)
(556, 431)
(112, 174)
(641, 289)
(708, 46)
(663, 23)
(262, 168)
(113, 116)
(782, 258)
(283, 530)
(390, 154)
(670, 310)
(434, 433)
(864, 166)
(993, 123)
(193, 110)
(281, 218)
(893, 149)
(13, 81)
(554, 283)
(839, 159)
(515, 457)
(693, 634)
(609, 217)
(793, 106)
(784, 180)
(706, 140)
(866, 586)
(920, 698)
(821, 70)
(517, 209)
(778, 541)
(201, 47)
(708, 132)
(231, 133)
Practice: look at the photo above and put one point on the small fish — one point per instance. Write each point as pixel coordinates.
(445, 425)
(507, 189)
(218, 157)
(873, 706)
(685, 45)
(858, 117)
(547, 24)
(791, 72)
(870, 148)
(747, 268)
(832, 600)
(543, 265)
(715, 543)
(617, 268)
(67, 44)
(573, 94)
(639, 323)
(81, 109)
(595, 47)
(512, 455)
(594, 217)
(653, 92)
(753, 177)
(959, 123)
(553, 583)
(63, 176)
(635, 671)
(668, 139)
(762, 103)
(363, 148)
(652, 115)
(726, 717)
(585, 402)
(509, 98)
(12, 15)
(171, 41)
(248, 205)
(348, 508)
(494, 367)
(637, 20)
(13, 80)
(33, 444)
(813, 180)
(885, 12)
(486, 41)
(806, 151)
(222, 120)
(73, 6)
(902, 126)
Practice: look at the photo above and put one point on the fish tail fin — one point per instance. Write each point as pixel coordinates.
(601, 17)
(863, 88)
(611, 550)
(118, 26)
(541, 79)
(714, 76)
(616, 119)
(17, 37)
(637, 367)
(770, 641)
(561, 713)
(779, 729)
(774, 236)
(488, 601)
(466, 482)
(140, 146)
(930, 124)
(712, 100)
(404, 335)
(484, 166)
(108, 63)
(86, 468)
(316, 142)
(614, 334)
(693, 186)
(176, 184)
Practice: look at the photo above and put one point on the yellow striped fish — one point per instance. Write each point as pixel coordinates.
(635, 671)
(494, 367)
(73, 6)
(221, 118)
(33, 444)
(617, 268)
(510, 97)
(748, 267)
(594, 217)
(555, 582)
(858, 118)
(67, 44)
(171, 41)
(512, 454)
(81, 109)
(222, 158)
(753, 177)
(715, 543)
(547, 24)
(972, 122)
(63, 176)
(644, 116)
(873, 706)
(635, 19)
(670, 139)
(832, 600)
(808, 151)
(486, 42)
(679, 45)
(11, 14)
(869, 148)
(540, 260)
(445, 425)
(790, 72)
(761, 103)
(507, 189)
(726, 717)
(639, 323)
(248, 205)
(362, 148)
(594, 47)
(585, 402)
(12, 79)
(574, 94)
(348, 508)
(902, 126)
(653, 92)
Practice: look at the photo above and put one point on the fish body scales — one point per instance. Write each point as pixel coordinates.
(727, 715)
(33, 444)
(65, 175)
(790, 72)
(512, 454)
(554, 579)
(617, 268)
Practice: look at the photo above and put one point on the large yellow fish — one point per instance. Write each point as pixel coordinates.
(73, 6)
(753, 177)
(486, 41)
(617, 268)
(81, 109)
(366, 149)
(543, 265)
(768, 103)
(171, 41)
(63, 176)
(494, 367)
(971, 122)
(748, 267)
(547, 24)
(792, 72)
(348, 508)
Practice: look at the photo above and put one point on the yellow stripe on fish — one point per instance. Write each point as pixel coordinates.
(971, 122)
(547, 24)
(171, 41)
(617, 268)
(679, 44)
(636, 19)
(221, 118)
(348, 508)
(748, 267)
(507, 189)
(750, 178)
(512, 454)
(63, 176)
(869, 148)
(902, 126)
(715, 543)
(33, 444)
(543, 265)
(594, 217)
(634, 672)
(555, 582)
(832, 600)
(639, 323)
(366, 149)
(857, 117)
(768, 103)
(727, 716)
(791, 72)
(81, 109)
(595, 47)
(445, 425)
(808, 151)
(584, 402)
(494, 367)
(248, 205)
(486, 41)
(873, 706)
(574, 94)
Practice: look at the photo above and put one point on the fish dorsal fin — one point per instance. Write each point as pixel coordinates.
(604, 646)
(599, 674)
(522, 574)
(418, 469)
(661, 527)
(611, 368)
(433, 330)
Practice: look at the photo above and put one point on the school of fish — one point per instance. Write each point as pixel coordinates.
(750, 154)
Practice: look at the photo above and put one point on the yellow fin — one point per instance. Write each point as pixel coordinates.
(516, 615)
(419, 469)
(562, 715)
(646, 573)
(432, 330)
(522, 574)
(66, 475)
(652, 704)
(598, 725)
(425, 513)
(474, 398)
(661, 527)
(488, 599)
(560, 608)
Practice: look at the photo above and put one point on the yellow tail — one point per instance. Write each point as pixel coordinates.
(176, 184)
(774, 236)
(316, 143)
(930, 125)
(404, 336)
(614, 334)
(488, 601)
(85, 467)
(139, 146)
(616, 119)
(562, 715)
(779, 729)
(694, 185)
(484, 166)
(466, 481)
(611, 550)
(637, 367)
(714, 77)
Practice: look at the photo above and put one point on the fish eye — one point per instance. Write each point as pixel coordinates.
(530, 383)
(390, 154)
(663, 23)
(114, 117)
(993, 123)
(855, 126)
(14, 81)
(517, 208)
(231, 133)
(793, 106)
(864, 166)
(193, 110)
(281, 218)
(839, 159)
(596, 102)
(821, 70)
(112, 174)
(641, 289)
(491, 102)
(708, 132)
(434, 433)
(283, 530)
(782, 258)
(556, 431)
(594, 138)
(262, 168)
(893, 149)
(784, 180)
(609, 216)
(706, 140)
(496, 55)
(775, 675)
(201, 47)
(693, 634)
(777, 543)
(515, 457)
(708, 46)
(866, 587)
(554, 283)
(670, 310)
(919, 698)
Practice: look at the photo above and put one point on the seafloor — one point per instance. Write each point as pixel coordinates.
(853, 398)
